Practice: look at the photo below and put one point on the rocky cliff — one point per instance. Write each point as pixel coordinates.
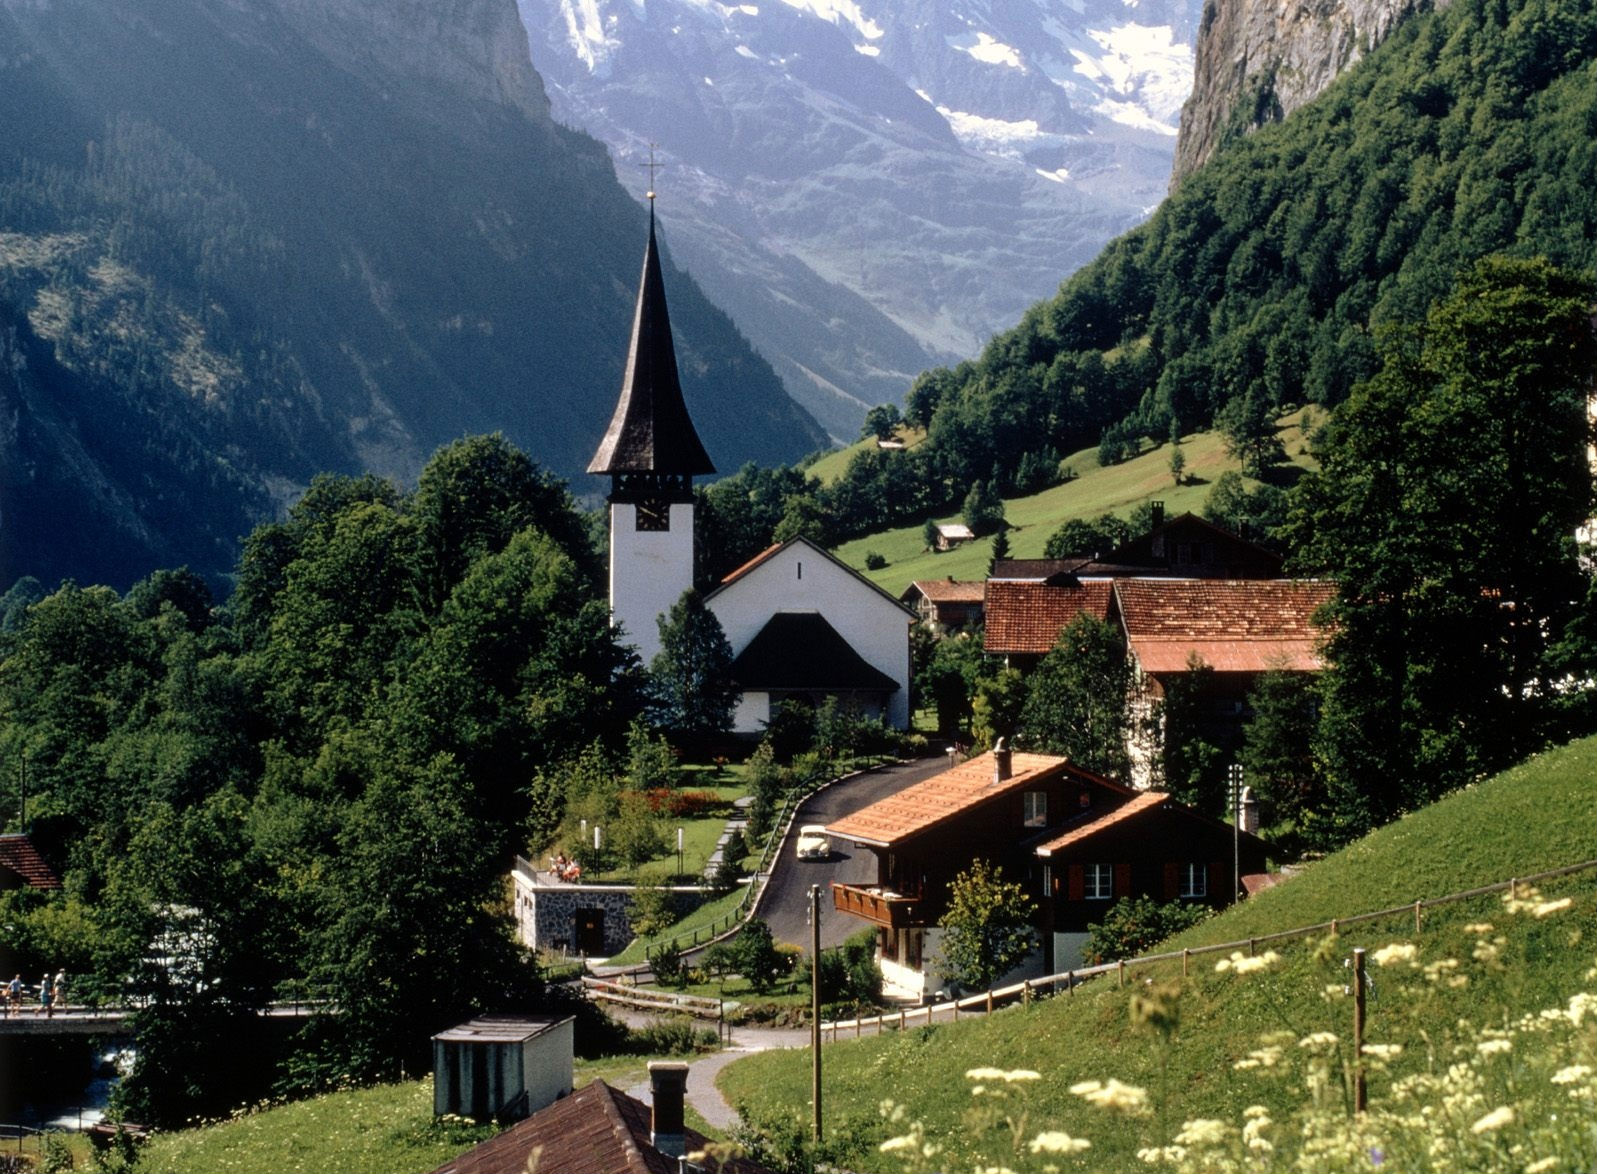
(1259, 60)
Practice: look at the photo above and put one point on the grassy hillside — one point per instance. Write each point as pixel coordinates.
(1478, 1080)
(1096, 490)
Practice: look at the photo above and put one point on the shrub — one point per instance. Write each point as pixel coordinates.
(671, 1037)
(668, 965)
(874, 561)
(1135, 924)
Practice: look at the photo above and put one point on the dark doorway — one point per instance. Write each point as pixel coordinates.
(590, 932)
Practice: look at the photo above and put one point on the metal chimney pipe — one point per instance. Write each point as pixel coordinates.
(668, 1084)
(1002, 762)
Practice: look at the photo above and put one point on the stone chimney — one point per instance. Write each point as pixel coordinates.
(668, 1084)
(1157, 518)
(1250, 812)
(1001, 762)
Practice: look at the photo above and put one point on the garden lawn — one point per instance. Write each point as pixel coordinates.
(700, 920)
(1115, 489)
(1483, 1079)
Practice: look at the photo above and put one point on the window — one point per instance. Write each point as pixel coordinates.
(1194, 880)
(1036, 815)
(1099, 882)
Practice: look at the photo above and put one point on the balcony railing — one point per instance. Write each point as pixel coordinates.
(877, 905)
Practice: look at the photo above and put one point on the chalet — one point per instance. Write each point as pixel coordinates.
(1075, 840)
(803, 624)
(944, 604)
(600, 1130)
(1236, 630)
(1184, 547)
(21, 866)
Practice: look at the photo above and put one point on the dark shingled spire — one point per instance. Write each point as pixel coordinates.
(651, 431)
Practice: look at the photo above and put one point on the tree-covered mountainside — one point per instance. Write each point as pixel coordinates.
(243, 244)
(1266, 278)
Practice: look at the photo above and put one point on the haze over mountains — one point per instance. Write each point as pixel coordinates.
(241, 244)
(872, 187)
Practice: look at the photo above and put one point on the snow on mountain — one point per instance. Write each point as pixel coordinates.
(871, 187)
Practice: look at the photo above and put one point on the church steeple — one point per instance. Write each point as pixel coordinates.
(651, 453)
(651, 432)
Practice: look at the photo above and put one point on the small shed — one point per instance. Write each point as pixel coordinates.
(952, 534)
(502, 1067)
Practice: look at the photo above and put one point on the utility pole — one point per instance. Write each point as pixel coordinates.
(1234, 792)
(815, 1006)
(1360, 1092)
(22, 806)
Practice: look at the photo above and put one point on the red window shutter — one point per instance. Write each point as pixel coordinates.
(1122, 880)
(1078, 882)
(1172, 881)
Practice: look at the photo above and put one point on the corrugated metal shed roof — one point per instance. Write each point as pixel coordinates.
(501, 1029)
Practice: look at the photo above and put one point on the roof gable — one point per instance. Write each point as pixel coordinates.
(1146, 804)
(945, 590)
(771, 553)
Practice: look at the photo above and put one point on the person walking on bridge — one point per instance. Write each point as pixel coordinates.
(14, 996)
(46, 997)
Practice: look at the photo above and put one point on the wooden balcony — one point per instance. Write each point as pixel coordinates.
(878, 906)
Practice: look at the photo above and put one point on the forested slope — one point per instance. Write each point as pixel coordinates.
(1264, 281)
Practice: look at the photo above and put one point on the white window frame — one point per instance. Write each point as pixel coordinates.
(1194, 881)
(1035, 812)
(1098, 882)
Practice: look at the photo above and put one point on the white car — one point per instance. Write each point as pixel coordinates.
(813, 843)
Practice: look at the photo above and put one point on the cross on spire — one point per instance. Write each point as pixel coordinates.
(652, 167)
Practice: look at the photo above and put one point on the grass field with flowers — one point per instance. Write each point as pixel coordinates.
(1480, 1046)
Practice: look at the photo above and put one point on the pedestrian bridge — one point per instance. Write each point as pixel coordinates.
(113, 1020)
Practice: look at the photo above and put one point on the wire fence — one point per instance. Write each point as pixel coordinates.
(1024, 992)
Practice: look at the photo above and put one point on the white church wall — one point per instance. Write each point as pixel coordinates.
(649, 571)
(800, 578)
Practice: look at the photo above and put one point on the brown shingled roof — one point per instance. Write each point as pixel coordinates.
(949, 590)
(595, 1130)
(19, 856)
(1238, 625)
(1026, 617)
(923, 806)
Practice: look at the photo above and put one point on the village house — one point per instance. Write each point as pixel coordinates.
(952, 534)
(945, 604)
(1183, 547)
(1076, 841)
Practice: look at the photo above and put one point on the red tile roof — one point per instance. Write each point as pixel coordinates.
(595, 1130)
(1237, 625)
(752, 563)
(19, 856)
(1143, 802)
(948, 590)
(1027, 617)
(917, 809)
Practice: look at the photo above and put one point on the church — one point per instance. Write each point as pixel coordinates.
(800, 622)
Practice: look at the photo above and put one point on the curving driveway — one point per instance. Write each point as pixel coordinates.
(785, 903)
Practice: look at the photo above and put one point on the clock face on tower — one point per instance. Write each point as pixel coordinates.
(653, 514)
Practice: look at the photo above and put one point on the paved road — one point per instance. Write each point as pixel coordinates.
(785, 906)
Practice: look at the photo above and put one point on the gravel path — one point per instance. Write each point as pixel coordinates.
(703, 1095)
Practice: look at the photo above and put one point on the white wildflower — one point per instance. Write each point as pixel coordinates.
(1582, 1005)
(1548, 908)
(1240, 963)
(1479, 927)
(1055, 1141)
(1318, 1039)
(1383, 1051)
(1112, 1094)
(984, 1074)
(1571, 1074)
(1494, 1047)
(1395, 954)
(1163, 1155)
(1496, 1119)
(1543, 1166)
(1205, 1131)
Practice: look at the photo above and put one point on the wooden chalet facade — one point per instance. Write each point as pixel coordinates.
(943, 604)
(1074, 840)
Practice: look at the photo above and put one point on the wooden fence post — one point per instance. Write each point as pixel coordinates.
(989, 1000)
(1025, 993)
(1070, 982)
(1120, 972)
(1185, 954)
(1417, 916)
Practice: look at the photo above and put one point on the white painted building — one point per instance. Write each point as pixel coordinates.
(804, 624)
